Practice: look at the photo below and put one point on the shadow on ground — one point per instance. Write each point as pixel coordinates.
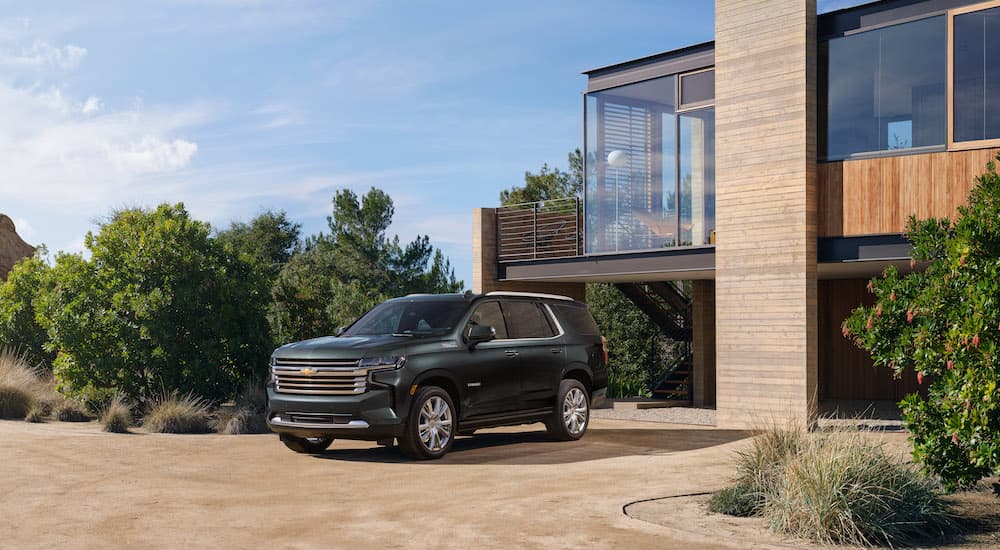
(535, 447)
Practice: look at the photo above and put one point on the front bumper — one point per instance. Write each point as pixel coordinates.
(368, 416)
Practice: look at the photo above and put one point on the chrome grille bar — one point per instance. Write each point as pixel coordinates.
(319, 376)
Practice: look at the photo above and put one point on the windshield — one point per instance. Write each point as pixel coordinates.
(416, 318)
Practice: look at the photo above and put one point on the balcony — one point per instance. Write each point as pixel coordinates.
(539, 230)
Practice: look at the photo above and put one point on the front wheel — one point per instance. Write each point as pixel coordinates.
(306, 445)
(572, 413)
(430, 427)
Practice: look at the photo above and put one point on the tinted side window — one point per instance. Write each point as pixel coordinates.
(527, 320)
(578, 319)
(490, 314)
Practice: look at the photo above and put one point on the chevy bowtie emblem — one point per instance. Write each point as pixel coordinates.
(308, 372)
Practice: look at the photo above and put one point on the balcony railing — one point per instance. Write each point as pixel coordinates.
(537, 230)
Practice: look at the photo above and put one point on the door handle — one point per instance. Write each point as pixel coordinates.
(556, 350)
(511, 352)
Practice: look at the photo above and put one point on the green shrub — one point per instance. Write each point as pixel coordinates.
(846, 489)
(737, 500)
(20, 385)
(159, 303)
(944, 322)
(69, 410)
(18, 295)
(116, 416)
(177, 414)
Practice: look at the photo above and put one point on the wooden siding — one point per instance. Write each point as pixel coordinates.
(877, 196)
(846, 371)
(703, 343)
(765, 53)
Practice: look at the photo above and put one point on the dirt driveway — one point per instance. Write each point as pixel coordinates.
(72, 486)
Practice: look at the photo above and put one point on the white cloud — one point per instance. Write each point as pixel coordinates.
(59, 150)
(277, 115)
(42, 55)
(91, 105)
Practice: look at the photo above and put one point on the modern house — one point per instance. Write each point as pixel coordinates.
(776, 168)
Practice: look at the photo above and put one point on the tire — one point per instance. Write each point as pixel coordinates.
(571, 416)
(311, 445)
(433, 409)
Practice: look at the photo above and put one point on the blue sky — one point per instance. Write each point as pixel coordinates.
(238, 106)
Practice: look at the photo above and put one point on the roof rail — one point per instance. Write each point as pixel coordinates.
(529, 295)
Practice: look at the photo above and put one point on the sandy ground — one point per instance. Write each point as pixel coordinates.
(72, 486)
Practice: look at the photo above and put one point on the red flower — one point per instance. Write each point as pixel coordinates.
(920, 378)
(878, 310)
(954, 438)
(869, 286)
(910, 314)
(975, 341)
(951, 364)
(845, 331)
(913, 263)
(892, 296)
(870, 323)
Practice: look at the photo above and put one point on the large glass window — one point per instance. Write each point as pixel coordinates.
(640, 148)
(977, 75)
(884, 89)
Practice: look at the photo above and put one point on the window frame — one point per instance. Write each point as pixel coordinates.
(950, 82)
(480, 304)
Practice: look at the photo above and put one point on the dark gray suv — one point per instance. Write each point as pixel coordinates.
(423, 369)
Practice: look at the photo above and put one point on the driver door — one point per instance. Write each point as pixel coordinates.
(489, 373)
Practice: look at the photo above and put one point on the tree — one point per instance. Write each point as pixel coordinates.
(19, 328)
(336, 277)
(548, 184)
(159, 305)
(270, 239)
(637, 344)
(944, 322)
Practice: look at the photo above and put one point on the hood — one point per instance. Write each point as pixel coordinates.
(343, 347)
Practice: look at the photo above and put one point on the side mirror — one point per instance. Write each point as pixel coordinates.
(339, 331)
(478, 334)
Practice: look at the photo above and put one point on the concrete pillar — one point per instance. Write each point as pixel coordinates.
(484, 263)
(703, 343)
(765, 102)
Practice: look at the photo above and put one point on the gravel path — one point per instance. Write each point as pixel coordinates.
(670, 415)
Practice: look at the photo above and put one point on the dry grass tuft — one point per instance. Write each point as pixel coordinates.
(69, 410)
(38, 413)
(239, 421)
(116, 416)
(177, 414)
(839, 488)
(21, 386)
(845, 488)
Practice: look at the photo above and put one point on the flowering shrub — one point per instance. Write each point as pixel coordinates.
(944, 321)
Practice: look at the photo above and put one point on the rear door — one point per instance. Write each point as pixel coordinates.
(537, 343)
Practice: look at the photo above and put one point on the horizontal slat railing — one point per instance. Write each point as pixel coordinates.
(537, 230)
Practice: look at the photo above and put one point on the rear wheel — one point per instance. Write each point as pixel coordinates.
(307, 445)
(430, 427)
(571, 416)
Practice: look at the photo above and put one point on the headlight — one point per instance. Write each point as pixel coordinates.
(383, 363)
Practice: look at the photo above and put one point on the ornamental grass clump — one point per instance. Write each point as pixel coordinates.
(117, 415)
(178, 414)
(839, 488)
(846, 489)
(759, 471)
(21, 386)
(247, 417)
(71, 410)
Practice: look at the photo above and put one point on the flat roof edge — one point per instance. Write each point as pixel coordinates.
(662, 56)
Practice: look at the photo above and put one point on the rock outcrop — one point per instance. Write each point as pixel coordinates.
(12, 246)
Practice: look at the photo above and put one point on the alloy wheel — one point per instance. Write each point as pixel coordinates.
(575, 411)
(435, 424)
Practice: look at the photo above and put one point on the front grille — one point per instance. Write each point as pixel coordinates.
(317, 418)
(319, 376)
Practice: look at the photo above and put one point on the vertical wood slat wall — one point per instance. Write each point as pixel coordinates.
(877, 196)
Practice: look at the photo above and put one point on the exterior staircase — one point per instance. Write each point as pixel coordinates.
(669, 308)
